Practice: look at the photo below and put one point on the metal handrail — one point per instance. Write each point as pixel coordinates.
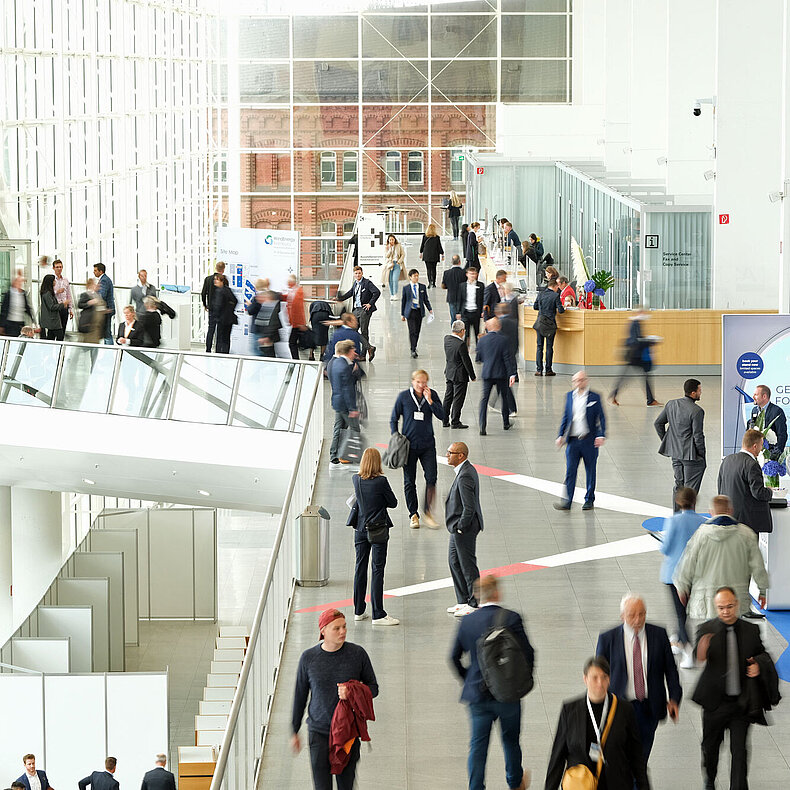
(255, 631)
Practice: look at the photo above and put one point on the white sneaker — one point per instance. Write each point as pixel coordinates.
(363, 616)
(415, 522)
(454, 609)
(688, 658)
(430, 520)
(386, 620)
(463, 610)
(394, 298)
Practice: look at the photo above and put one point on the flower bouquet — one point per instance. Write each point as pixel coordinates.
(598, 284)
(773, 469)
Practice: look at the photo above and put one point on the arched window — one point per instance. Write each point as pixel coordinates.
(457, 167)
(415, 226)
(328, 168)
(392, 167)
(350, 167)
(415, 167)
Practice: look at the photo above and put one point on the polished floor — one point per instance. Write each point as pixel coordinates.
(421, 733)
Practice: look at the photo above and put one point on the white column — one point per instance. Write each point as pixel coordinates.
(617, 44)
(784, 212)
(36, 546)
(234, 125)
(6, 608)
(749, 135)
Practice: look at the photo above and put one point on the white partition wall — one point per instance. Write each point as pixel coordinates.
(96, 594)
(205, 563)
(22, 732)
(125, 541)
(75, 733)
(74, 622)
(110, 565)
(41, 655)
(170, 556)
(137, 723)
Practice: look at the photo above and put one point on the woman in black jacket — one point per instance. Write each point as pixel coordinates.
(431, 252)
(223, 311)
(151, 323)
(374, 495)
(49, 310)
(454, 212)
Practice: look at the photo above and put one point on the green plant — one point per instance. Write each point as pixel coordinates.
(602, 279)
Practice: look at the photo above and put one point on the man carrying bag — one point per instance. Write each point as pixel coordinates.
(344, 402)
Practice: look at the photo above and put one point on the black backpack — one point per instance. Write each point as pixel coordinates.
(506, 672)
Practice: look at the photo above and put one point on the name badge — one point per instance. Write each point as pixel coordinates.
(418, 415)
(595, 752)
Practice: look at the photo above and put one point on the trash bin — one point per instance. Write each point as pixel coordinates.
(312, 553)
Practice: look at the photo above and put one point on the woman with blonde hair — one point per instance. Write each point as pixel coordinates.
(368, 517)
(394, 269)
(454, 212)
(431, 252)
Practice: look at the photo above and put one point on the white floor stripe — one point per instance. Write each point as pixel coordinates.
(617, 548)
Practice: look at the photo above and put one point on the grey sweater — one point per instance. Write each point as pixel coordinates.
(318, 674)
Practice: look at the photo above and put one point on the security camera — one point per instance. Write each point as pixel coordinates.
(697, 109)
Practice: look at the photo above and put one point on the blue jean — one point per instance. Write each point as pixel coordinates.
(455, 310)
(577, 450)
(483, 715)
(376, 553)
(394, 280)
(427, 457)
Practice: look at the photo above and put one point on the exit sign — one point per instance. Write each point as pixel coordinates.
(458, 157)
(480, 171)
(724, 219)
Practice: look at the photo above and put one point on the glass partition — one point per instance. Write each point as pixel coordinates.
(144, 384)
(86, 379)
(204, 389)
(265, 396)
(29, 373)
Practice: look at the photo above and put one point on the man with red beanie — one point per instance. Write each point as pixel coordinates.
(322, 673)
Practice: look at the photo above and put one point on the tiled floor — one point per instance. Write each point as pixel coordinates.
(420, 736)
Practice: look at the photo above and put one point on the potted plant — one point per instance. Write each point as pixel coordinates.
(598, 284)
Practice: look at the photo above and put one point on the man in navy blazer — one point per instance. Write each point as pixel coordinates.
(101, 780)
(582, 431)
(159, 778)
(414, 300)
(29, 761)
(363, 294)
(773, 418)
(344, 394)
(484, 710)
(499, 368)
(643, 668)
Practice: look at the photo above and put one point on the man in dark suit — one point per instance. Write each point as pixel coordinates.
(159, 778)
(582, 431)
(452, 281)
(548, 305)
(15, 306)
(29, 761)
(494, 294)
(458, 371)
(105, 289)
(363, 294)
(464, 520)
(581, 726)
(413, 303)
(511, 237)
(484, 710)
(348, 330)
(768, 415)
(741, 479)
(499, 368)
(206, 292)
(101, 780)
(344, 395)
(470, 298)
(729, 646)
(680, 428)
(642, 668)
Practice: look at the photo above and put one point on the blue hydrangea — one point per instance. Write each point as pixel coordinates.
(774, 469)
(766, 446)
(589, 286)
(599, 292)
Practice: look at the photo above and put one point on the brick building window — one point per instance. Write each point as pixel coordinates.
(328, 168)
(392, 167)
(350, 167)
(415, 167)
(456, 167)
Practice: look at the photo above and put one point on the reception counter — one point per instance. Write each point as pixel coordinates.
(593, 339)
(775, 548)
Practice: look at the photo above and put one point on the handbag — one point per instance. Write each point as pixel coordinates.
(580, 777)
(377, 531)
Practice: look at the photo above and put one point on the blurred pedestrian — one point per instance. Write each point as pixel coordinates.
(91, 314)
(106, 290)
(49, 311)
(638, 357)
(15, 306)
(294, 301)
(151, 323)
(140, 290)
(499, 370)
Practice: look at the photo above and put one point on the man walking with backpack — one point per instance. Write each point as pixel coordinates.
(493, 687)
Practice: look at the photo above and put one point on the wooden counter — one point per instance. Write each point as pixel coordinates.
(593, 339)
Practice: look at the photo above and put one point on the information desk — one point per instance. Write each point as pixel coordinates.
(593, 339)
(775, 548)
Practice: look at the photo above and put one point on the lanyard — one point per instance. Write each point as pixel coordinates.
(603, 716)
(418, 405)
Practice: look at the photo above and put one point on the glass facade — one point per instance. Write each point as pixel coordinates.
(323, 114)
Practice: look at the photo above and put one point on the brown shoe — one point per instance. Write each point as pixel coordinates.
(655, 403)
(371, 353)
(525, 781)
(538, 373)
(613, 401)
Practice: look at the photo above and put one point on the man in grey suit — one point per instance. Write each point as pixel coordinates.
(457, 373)
(464, 519)
(680, 428)
(741, 479)
(159, 778)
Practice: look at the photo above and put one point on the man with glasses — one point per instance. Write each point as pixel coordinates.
(464, 519)
(732, 651)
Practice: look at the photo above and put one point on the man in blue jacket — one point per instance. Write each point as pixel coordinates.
(582, 431)
(101, 780)
(484, 710)
(643, 668)
(346, 331)
(499, 368)
(344, 394)
(418, 405)
(106, 290)
(31, 774)
(364, 295)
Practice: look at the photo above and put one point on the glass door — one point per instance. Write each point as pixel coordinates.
(14, 257)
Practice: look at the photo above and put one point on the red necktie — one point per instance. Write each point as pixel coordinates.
(639, 675)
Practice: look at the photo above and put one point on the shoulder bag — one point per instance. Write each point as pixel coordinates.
(580, 777)
(377, 531)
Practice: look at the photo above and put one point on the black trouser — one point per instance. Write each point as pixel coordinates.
(680, 611)
(363, 316)
(414, 320)
(376, 555)
(549, 341)
(502, 387)
(463, 566)
(319, 762)
(60, 334)
(223, 338)
(454, 397)
(728, 716)
(293, 342)
(471, 321)
(637, 368)
(212, 328)
(51, 334)
(687, 474)
(430, 267)
(13, 328)
(454, 221)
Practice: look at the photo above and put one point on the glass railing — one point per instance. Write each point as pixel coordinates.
(157, 384)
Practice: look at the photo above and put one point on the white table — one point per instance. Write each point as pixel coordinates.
(775, 548)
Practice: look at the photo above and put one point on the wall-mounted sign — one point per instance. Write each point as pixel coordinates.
(651, 241)
(724, 219)
(480, 171)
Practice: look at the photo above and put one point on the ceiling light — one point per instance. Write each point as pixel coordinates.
(88, 482)
(203, 493)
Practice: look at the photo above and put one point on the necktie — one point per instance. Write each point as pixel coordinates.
(732, 684)
(639, 675)
(414, 290)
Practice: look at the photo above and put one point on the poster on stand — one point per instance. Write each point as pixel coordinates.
(755, 350)
(372, 241)
(249, 254)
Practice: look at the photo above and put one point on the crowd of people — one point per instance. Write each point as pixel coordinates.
(158, 778)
